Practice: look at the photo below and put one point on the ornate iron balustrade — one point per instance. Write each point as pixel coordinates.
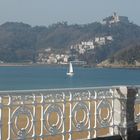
(82, 113)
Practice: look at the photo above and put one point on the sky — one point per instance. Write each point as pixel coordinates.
(47, 12)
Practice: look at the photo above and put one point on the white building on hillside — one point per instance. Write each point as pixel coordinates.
(115, 19)
(109, 38)
(100, 40)
(83, 46)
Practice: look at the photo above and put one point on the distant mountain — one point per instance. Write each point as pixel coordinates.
(20, 42)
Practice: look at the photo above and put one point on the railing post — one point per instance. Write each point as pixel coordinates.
(34, 116)
(70, 116)
(127, 126)
(0, 118)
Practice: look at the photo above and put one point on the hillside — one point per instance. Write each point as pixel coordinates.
(20, 42)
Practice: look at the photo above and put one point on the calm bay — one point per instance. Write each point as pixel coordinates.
(50, 77)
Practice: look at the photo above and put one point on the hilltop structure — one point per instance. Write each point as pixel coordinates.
(115, 19)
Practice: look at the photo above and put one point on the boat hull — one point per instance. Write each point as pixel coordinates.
(70, 73)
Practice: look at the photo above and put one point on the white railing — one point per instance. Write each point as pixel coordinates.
(82, 113)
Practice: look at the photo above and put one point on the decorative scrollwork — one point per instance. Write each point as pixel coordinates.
(53, 97)
(15, 99)
(93, 94)
(104, 121)
(80, 95)
(137, 118)
(80, 124)
(21, 111)
(53, 128)
(137, 112)
(21, 99)
(138, 97)
(104, 94)
(29, 98)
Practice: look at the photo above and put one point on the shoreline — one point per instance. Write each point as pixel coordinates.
(84, 66)
(28, 64)
(119, 67)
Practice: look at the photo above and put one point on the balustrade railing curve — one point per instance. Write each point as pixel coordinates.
(69, 114)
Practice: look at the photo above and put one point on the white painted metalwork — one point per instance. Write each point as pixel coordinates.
(63, 113)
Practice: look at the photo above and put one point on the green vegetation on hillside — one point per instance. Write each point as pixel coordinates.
(20, 42)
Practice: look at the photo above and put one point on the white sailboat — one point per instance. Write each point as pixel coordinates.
(70, 70)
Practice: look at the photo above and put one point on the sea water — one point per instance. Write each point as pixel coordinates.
(50, 77)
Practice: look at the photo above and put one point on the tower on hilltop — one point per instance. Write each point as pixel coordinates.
(115, 19)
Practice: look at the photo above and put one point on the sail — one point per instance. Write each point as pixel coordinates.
(70, 68)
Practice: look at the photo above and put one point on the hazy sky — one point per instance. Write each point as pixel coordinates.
(46, 12)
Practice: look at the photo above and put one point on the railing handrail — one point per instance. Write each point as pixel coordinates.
(63, 89)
